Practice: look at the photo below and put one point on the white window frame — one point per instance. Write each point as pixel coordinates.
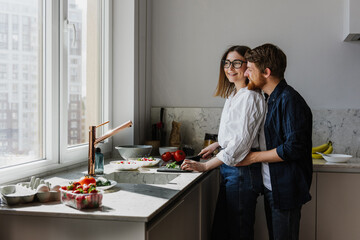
(57, 156)
(79, 153)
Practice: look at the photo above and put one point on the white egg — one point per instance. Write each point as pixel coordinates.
(56, 188)
(42, 188)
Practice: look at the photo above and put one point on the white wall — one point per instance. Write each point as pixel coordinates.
(123, 69)
(189, 37)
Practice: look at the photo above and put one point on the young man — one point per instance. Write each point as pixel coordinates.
(286, 159)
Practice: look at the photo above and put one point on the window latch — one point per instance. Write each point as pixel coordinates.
(70, 25)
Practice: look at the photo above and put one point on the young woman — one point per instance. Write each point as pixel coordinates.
(241, 118)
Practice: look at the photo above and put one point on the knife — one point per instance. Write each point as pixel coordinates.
(195, 158)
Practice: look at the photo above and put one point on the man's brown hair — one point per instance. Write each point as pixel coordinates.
(268, 56)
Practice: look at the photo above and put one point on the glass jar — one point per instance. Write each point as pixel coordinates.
(209, 139)
(99, 162)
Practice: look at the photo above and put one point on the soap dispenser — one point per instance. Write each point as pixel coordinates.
(99, 162)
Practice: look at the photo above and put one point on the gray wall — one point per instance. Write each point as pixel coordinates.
(123, 59)
(188, 38)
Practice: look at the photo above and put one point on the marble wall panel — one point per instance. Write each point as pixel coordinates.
(341, 126)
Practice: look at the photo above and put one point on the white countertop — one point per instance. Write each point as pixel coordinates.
(123, 202)
(352, 166)
(136, 202)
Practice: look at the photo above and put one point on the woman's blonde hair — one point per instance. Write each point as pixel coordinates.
(225, 87)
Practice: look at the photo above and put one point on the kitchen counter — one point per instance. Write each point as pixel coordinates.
(132, 211)
(146, 199)
(352, 166)
(123, 202)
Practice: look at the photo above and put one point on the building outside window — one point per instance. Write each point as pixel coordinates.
(24, 75)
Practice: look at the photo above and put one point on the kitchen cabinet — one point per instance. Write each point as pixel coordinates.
(181, 221)
(307, 221)
(14, 227)
(190, 217)
(338, 208)
(209, 190)
(308, 214)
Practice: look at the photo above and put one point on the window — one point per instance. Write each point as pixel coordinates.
(31, 32)
(83, 71)
(55, 92)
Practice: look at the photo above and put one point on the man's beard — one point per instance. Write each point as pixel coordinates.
(251, 86)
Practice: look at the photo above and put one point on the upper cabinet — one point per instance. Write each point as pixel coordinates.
(352, 20)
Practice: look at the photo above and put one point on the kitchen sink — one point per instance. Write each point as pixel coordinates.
(141, 178)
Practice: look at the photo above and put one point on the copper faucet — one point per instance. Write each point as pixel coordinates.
(93, 141)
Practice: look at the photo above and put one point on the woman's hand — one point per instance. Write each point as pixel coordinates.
(193, 165)
(206, 152)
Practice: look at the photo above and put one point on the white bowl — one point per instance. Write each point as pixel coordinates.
(163, 150)
(336, 158)
(134, 151)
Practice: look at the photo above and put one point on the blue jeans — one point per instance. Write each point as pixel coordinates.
(235, 209)
(282, 224)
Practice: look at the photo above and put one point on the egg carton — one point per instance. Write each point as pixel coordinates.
(25, 192)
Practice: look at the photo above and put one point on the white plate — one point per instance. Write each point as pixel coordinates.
(125, 165)
(147, 163)
(336, 158)
(113, 183)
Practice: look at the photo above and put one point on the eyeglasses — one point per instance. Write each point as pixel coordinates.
(236, 63)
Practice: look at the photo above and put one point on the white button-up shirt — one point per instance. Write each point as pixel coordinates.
(241, 119)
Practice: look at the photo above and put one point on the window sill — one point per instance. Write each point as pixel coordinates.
(42, 168)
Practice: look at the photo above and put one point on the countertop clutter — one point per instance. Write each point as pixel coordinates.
(144, 185)
(138, 196)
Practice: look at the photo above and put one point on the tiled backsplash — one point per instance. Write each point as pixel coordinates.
(341, 126)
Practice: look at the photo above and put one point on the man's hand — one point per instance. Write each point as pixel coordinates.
(268, 156)
(206, 152)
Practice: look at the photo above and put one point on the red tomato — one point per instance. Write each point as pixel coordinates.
(166, 156)
(173, 155)
(87, 180)
(179, 155)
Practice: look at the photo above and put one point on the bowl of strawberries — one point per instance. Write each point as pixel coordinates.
(82, 194)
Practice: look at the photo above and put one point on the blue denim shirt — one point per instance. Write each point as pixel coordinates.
(288, 128)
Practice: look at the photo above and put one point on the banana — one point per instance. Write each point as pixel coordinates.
(330, 149)
(321, 148)
(327, 151)
(316, 156)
